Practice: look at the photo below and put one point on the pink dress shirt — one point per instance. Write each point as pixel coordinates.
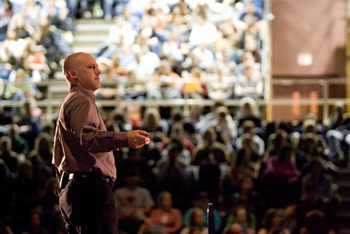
(82, 143)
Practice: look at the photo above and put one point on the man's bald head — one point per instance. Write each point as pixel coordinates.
(71, 63)
(81, 69)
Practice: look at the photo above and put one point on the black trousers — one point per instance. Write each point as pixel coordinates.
(87, 206)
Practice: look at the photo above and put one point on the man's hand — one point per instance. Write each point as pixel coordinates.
(138, 138)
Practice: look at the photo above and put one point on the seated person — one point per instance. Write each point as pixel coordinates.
(196, 223)
(133, 203)
(250, 83)
(21, 89)
(200, 201)
(283, 165)
(241, 216)
(165, 215)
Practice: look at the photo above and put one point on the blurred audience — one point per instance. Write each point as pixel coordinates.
(262, 177)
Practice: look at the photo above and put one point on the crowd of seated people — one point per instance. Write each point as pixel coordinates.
(154, 50)
(261, 177)
(34, 37)
(278, 176)
(185, 49)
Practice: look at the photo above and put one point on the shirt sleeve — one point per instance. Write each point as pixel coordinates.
(88, 127)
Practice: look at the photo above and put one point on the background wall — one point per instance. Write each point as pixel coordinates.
(308, 37)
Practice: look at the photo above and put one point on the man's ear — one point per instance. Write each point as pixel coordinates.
(73, 74)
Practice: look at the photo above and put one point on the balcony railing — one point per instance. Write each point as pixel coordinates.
(52, 102)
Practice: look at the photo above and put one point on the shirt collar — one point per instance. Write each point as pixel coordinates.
(84, 91)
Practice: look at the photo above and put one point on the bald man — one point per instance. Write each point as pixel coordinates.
(83, 152)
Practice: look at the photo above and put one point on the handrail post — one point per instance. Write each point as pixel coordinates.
(266, 62)
(210, 215)
(325, 99)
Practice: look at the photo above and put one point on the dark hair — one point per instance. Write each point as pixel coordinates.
(175, 143)
(240, 155)
(132, 171)
(267, 221)
(284, 152)
(201, 195)
(176, 114)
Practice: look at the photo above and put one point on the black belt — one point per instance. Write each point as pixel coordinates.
(79, 175)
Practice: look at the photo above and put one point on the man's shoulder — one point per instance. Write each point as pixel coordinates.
(75, 98)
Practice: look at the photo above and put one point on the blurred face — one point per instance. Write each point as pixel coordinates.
(11, 34)
(38, 35)
(247, 108)
(35, 220)
(132, 181)
(241, 216)
(209, 136)
(316, 169)
(4, 147)
(132, 76)
(166, 200)
(63, 13)
(164, 68)
(309, 143)
(43, 21)
(250, 43)
(20, 76)
(151, 119)
(52, 11)
(289, 155)
(20, 22)
(127, 13)
(173, 154)
(6, 5)
(198, 217)
(177, 10)
(237, 228)
(280, 139)
(116, 61)
(250, 8)
(201, 203)
(277, 219)
(247, 184)
(249, 71)
(44, 145)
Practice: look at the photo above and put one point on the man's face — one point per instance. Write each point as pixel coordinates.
(88, 73)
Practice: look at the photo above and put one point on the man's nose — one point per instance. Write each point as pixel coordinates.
(97, 71)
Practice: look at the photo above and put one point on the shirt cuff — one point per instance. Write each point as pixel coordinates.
(121, 139)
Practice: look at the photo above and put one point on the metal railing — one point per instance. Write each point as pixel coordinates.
(51, 104)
